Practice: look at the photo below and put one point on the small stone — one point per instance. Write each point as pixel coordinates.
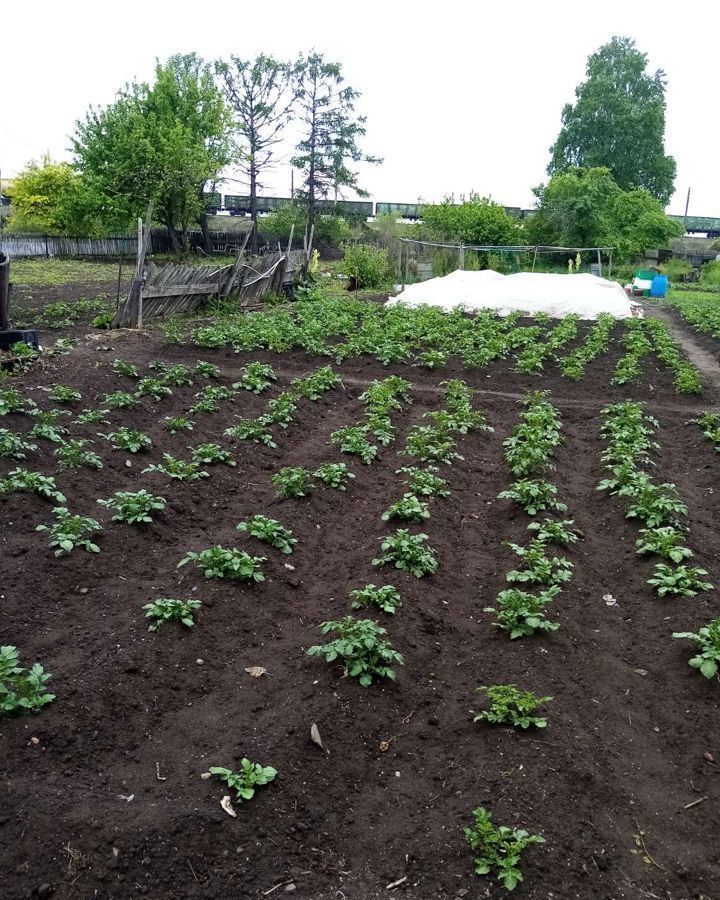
(289, 888)
(200, 662)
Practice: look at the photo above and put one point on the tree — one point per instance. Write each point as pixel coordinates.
(586, 208)
(476, 220)
(259, 95)
(618, 122)
(164, 143)
(330, 128)
(291, 218)
(51, 198)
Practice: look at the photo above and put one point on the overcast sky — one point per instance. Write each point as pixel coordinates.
(459, 96)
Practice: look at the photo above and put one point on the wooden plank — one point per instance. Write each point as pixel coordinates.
(177, 290)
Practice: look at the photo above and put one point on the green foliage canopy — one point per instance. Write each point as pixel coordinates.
(476, 220)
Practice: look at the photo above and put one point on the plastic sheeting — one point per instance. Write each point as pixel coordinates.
(555, 295)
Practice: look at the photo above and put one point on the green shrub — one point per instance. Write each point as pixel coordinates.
(368, 266)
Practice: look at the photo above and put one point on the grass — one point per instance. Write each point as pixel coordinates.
(57, 272)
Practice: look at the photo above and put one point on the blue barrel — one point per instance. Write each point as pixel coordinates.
(659, 286)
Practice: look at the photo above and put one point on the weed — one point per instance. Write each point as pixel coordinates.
(70, 531)
(361, 647)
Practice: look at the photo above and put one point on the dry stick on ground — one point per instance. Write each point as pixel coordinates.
(282, 883)
(640, 834)
(695, 803)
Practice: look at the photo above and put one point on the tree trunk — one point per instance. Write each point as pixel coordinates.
(253, 207)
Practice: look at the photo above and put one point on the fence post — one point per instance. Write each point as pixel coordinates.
(47, 249)
(462, 256)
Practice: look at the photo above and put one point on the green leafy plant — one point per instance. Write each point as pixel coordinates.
(177, 375)
(354, 440)
(555, 532)
(280, 410)
(368, 266)
(361, 647)
(12, 446)
(292, 481)
(223, 562)
(207, 369)
(387, 598)
(60, 393)
(250, 777)
(408, 507)
(510, 706)
(74, 454)
(21, 689)
(534, 495)
(93, 417)
(708, 640)
(424, 482)
(120, 400)
(430, 444)
(165, 609)
(666, 541)
(499, 848)
(521, 613)
(334, 475)
(129, 439)
(178, 469)
(133, 508)
(319, 382)
(70, 531)
(120, 367)
(12, 401)
(178, 423)
(256, 377)
(408, 552)
(212, 455)
(153, 387)
(22, 480)
(270, 531)
(681, 581)
(539, 568)
(158, 365)
(47, 426)
(255, 430)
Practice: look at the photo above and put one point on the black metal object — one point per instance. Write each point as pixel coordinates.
(9, 336)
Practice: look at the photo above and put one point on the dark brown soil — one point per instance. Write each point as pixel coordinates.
(101, 795)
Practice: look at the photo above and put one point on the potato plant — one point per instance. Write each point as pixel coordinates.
(679, 581)
(499, 849)
(430, 444)
(47, 426)
(334, 475)
(361, 647)
(71, 531)
(255, 430)
(208, 400)
(554, 532)
(133, 508)
(245, 782)
(174, 424)
(76, 454)
(596, 343)
(510, 706)
(292, 481)
(23, 480)
(224, 562)
(120, 400)
(177, 469)
(211, 455)
(129, 439)
(534, 495)
(353, 440)
(313, 386)
(12, 401)
(409, 508)
(424, 482)
(93, 417)
(207, 369)
(126, 369)
(270, 531)
(540, 569)
(60, 393)
(387, 598)
(256, 377)
(21, 689)
(408, 552)
(13, 446)
(177, 375)
(667, 541)
(707, 660)
(165, 609)
(522, 613)
(152, 387)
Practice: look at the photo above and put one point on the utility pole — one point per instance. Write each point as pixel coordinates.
(687, 206)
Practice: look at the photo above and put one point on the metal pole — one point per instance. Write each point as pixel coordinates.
(599, 256)
(687, 207)
(462, 256)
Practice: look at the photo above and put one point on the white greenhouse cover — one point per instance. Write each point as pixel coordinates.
(556, 295)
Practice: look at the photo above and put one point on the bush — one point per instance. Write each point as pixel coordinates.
(710, 274)
(367, 266)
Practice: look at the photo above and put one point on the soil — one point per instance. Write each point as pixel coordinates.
(101, 794)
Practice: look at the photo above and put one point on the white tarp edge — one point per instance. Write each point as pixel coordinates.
(555, 295)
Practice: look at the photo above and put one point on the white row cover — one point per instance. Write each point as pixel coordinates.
(556, 295)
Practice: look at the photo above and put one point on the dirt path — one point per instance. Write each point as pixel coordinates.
(697, 355)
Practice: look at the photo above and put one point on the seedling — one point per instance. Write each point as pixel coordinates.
(256, 377)
(387, 598)
(681, 581)
(70, 532)
(292, 481)
(510, 706)
(270, 531)
(62, 394)
(211, 455)
(207, 370)
(33, 482)
(708, 640)
(521, 613)
(255, 430)
(666, 541)
(221, 562)
(21, 689)
(93, 417)
(167, 610)
(499, 847)
(244, 782)
(120, 400)
(424, 482)
(555, 532)
(179, 469)
(133, 508)
(153, 387)
(354, 440)
(179, 423)
(334, 475)
(129, 439)
(12, 446)
(120, 367)
(409, 553)
(534, 495)
(361, 647)
(409, 507)
(74, 454)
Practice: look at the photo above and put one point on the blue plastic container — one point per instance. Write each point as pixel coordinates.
(659, 287)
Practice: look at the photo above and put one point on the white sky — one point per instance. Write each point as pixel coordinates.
(459, 96)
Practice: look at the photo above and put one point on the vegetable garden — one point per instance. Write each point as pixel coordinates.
(347, 601)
